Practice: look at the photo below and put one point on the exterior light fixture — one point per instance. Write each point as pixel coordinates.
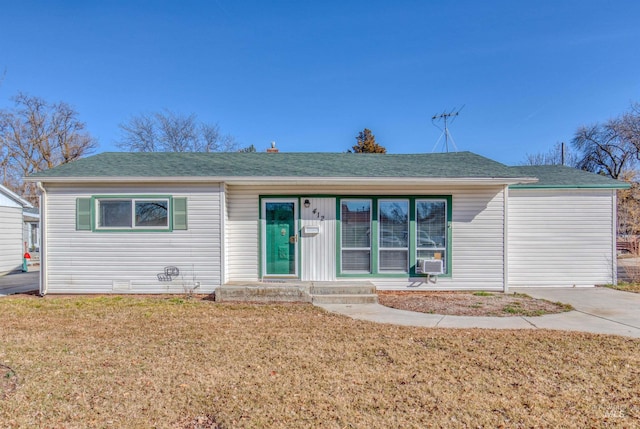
(306, 203)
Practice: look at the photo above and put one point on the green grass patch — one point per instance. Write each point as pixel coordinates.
(511, 309)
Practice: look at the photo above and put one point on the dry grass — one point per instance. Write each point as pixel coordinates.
(627, 287)
(159, 362)
(480, 303)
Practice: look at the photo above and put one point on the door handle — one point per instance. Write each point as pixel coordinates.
(293, 239)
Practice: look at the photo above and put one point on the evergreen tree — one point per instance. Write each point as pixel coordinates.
(366, 143)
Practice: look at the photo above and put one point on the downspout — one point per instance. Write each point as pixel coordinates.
(614, 236)
(43, 240)
(223, 227)
(505, 260)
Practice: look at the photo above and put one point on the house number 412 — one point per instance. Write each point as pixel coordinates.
(318, 215)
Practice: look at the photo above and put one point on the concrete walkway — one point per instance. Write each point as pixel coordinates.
(598, 310)
(20, 282)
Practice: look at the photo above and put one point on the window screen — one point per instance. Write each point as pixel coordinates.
(355, 218)
(431, 230)
(114, 213)
(152, 213)
(393, 224)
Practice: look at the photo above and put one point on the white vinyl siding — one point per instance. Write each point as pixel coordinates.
(318, 250)
(11, 248)
(103, 262)
(477, 232)
(561, 237)
(241, 234)
(477, 244)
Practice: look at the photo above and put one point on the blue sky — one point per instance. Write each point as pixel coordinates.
(312, 74)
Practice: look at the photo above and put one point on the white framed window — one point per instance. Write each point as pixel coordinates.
(132, 213)
(355, 216)
(431, 230)
(393, 242)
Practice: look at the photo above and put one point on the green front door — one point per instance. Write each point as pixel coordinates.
(280, 238)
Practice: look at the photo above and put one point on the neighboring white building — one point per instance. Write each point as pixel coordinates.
(11, 230)
(154, 222)
(31, 229)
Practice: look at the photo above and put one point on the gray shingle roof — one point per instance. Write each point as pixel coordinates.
(322, 164)
(559, 176)
(292, 164)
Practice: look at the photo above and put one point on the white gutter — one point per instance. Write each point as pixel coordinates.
(290, 180)
(614, 237)
(223, 234)
(43, 239)
(505, 260)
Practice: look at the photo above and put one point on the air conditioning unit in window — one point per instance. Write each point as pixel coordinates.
(430, 267)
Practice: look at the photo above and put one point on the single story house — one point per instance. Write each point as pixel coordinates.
(12, 220)
(153, 222)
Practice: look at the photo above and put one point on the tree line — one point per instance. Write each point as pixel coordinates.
(37, 135)
(610, 148)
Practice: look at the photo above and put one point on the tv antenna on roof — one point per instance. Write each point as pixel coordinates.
(448, 118)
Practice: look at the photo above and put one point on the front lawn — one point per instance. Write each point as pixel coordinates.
(164, 362)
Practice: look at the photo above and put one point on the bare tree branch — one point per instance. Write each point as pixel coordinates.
(605, 149)
(553, 157)
(168, 131)
(139, 134)
(629, 128)
(36, 135)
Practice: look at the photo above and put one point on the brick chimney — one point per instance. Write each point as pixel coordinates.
(273, 148)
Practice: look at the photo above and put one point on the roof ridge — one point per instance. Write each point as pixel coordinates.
(283, 164)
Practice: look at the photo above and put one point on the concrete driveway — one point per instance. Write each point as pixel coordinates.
(597, 310)
(19, 283)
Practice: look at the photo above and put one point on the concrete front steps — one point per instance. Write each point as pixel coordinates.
(281, 291)
(343, 293)
(298, 291)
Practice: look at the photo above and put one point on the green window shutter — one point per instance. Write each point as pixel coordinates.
(83, 214)
(179, 213)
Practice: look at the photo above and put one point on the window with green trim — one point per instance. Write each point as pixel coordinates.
(393, 243)
(388, 235)
(134, 213)
(356, 235)
(431, 230)
(151, 213)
